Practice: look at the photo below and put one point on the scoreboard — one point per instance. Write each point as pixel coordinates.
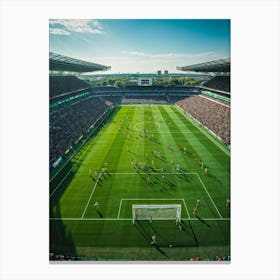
(145, 82)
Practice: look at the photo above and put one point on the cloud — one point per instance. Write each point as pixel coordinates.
(169, 55)
(62, 26)
(58, 31)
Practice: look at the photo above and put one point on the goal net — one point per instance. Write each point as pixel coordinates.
(156, 212)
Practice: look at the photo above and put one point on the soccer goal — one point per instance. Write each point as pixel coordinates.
(156, 212)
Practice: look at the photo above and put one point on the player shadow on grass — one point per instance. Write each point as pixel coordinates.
(144, 233)
(201, 220)
(99, 214)
(193, 233)
(215, 178)
(170, 184)
(184, 177)
(99, 181)
(131, 152)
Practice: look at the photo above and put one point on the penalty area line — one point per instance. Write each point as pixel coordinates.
(209, 195)
(90, 196)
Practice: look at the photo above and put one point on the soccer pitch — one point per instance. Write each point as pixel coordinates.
(142, 148)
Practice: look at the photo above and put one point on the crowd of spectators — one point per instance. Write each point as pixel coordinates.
(108, 89)
(71, 120)
(173, 98)
(220, 83)
(64, 84)
(216, 258)
(145, 100)
(60, 257)
(214, 115)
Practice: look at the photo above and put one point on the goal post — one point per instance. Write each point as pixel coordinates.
(156, 212)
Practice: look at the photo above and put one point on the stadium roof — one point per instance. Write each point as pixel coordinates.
(64, 63)
(220, 65)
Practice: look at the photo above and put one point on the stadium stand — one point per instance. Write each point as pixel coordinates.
(213, 114)
(71, 120)
(112, 100)
(148, 100)
(220, 83)
(65, 84)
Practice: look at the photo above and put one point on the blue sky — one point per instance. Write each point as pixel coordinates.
(143, 46)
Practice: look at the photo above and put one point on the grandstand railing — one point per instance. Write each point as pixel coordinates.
(216, 96)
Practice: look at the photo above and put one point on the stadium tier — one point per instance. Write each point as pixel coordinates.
(213, 114)
(70, 121)
(139, 99)
(221, 83)
(65, 84)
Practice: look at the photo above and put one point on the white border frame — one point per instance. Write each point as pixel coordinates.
(255, 56)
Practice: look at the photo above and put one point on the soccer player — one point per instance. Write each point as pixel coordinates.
(201, 164)
(143, 165)
(151, 219)
(148, 180)
(96, 205)
(177, 167)
(194, 211)
(168, 146)
(154, 241)
(96, 173)
(178, 223)
(205, 171)
(185, 150)
(163, 177)
(228, 203)
(197, 203)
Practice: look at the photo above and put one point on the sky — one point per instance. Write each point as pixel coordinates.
(141, 45)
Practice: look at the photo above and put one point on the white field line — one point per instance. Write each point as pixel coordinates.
(67, 172)
(91, 195)
(186, 208)
(120, 209)
(129, 219)
(209, 195)
(214, 101)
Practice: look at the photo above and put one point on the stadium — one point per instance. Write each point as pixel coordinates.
(139, 173)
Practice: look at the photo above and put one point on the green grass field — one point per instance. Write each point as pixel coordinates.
(77, 228)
